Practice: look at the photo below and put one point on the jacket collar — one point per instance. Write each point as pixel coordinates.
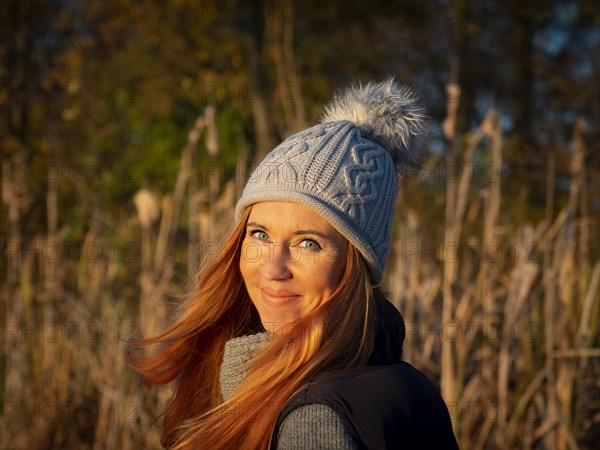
(390, 335)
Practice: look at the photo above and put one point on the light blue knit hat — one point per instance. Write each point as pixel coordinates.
(347, 167)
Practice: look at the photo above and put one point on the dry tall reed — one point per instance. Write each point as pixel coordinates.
(509, 330)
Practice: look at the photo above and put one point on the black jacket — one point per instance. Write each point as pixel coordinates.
(386, 404)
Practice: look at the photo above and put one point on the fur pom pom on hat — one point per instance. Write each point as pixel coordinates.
(347, 167)
(387, 113)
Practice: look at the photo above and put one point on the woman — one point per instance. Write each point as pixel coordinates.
(288, 341)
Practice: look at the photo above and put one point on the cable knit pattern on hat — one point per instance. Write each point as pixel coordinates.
(347, 168)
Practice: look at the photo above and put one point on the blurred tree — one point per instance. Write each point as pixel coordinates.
(113, 88)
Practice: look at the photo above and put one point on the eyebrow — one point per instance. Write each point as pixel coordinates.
(297, 232)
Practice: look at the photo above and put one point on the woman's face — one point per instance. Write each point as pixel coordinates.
(292, 260)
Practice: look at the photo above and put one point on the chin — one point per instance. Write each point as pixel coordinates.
(273, 325)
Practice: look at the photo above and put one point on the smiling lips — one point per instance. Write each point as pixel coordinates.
(278, 296)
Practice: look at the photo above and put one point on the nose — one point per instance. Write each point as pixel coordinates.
(274, 265)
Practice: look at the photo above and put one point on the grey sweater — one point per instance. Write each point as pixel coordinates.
(309, 427)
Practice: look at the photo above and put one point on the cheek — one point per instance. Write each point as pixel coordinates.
(246, 271)
(248, 261)
(335, 269)
(326, 278)
(243, 269)
(334, 279)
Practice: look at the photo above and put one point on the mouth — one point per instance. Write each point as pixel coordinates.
(278, 297)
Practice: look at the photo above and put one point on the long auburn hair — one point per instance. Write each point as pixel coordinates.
(337, 335)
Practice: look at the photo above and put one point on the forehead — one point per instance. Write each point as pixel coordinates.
(289, 214)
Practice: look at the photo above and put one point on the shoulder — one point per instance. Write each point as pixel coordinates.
(385, 406)
(315, 426)
(400, 382)
(398, 394)
(406, 383)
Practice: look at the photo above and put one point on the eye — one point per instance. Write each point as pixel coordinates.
(260, 235)
(310, 244)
